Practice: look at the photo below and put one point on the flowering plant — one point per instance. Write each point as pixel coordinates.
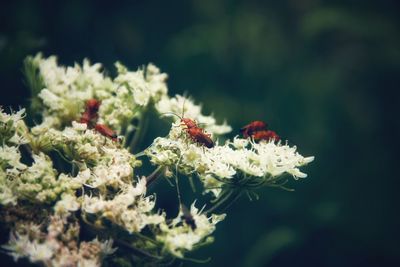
(70, 192)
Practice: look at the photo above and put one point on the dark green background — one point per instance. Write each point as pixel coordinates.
(323, 74)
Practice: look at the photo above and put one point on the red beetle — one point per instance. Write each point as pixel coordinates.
(106, 131)
(189, 123)
(198, 135)
(90, 115)
(93, 105)
(265, 135)
(253, 127)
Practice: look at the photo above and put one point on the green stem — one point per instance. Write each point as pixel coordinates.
(139, 131)
(137, 250)
(146, 238)
(219, 203)
(154, 175)
(75, 169)
(236, 197)
(129, 136)
(200, 261)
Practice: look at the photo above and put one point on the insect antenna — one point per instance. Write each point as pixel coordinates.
(172, 113)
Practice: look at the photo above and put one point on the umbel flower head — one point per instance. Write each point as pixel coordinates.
(262, 163)
(73, 189)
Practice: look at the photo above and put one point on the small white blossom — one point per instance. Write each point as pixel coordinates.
(17, 245)
(185, 107)
(39, 252)
(66, 204)
(10, 159)
(79, 126)
(180, 237)
(12, 128)
(14, 117)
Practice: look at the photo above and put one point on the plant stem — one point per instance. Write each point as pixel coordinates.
(139, 131)
(236, 197)
(137, 250)
(219, 203)
(154, 175)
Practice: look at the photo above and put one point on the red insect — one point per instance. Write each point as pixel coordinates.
(189, 123)
(106, 131)
(93, 105)
(265, 135)
(253, 127)
(90, 115)
(198, 135)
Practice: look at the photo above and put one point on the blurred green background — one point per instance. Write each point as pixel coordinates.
(323, 74)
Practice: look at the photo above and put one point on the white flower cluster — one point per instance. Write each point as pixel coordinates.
(179, 236)
(12, 134)
(37, 182)
(12, 128)
(106, 176)
(218, 165)
(65, 89)
(123, 98)
(129, 208)
(57, 245)
(185, 107)
(74, 169)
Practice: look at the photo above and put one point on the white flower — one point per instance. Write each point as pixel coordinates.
(240, 143)
(10, 159)
(277, 159)
(106, 247)
(184, 107)
(135, 83)
(51, 100)
(39, 252)
(46, 125)
(79, 126)
(83, 176)
(66, 204)
(88, 262)
(224, 162)
(156, 82)
(7, 196)
(15, 117)
(180, 237)
(17, 245)
(92, 204)
(12, 128)
(140, 188)
(141, 96)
